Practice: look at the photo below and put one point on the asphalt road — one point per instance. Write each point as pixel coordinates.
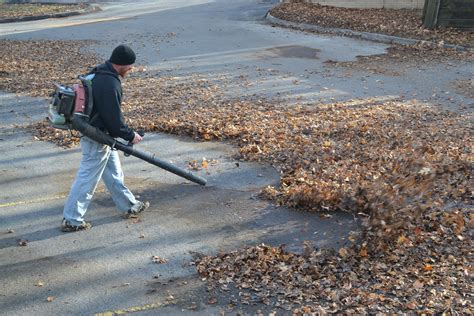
(110, 268)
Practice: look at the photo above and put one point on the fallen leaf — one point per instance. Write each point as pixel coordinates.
(159, 260)
(411, 305)
(23, 242)
(343, 252)
(402, 239)
(363, 252)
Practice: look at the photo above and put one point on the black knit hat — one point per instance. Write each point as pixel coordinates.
(122, 55)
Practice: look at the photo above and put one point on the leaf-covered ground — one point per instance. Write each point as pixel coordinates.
(403, 23)
(8, 11)
(404, 167)
(34, 67)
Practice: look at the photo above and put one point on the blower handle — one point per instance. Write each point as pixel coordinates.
(130, 144)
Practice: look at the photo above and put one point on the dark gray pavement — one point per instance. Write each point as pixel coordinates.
(109, 269)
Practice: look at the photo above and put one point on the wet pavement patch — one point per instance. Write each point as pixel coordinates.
(293, 51)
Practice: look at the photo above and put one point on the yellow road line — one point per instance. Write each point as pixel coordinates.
(132, 309)
(45, 199)
(16, 203)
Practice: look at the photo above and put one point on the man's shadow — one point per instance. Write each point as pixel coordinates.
(100, 210)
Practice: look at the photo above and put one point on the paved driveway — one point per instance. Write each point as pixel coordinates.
(110, 268)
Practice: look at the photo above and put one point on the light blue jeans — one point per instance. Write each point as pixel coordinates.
(98, 161)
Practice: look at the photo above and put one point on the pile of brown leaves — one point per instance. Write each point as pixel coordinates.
(419, 274)
(34, 67)
(403, 23)
(8, 11)
(398, 163)
(403, 166)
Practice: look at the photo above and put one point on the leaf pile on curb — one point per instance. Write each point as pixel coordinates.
(9, 11)
(403, 23)
(404, 166)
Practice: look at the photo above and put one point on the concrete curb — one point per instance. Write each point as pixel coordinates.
(389, 39)
(90, 9)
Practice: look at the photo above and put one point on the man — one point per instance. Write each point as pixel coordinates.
(98, 160)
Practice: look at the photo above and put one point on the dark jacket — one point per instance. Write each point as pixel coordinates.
(107, 93)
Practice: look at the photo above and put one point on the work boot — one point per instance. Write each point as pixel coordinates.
(67, 227)
(137, 209)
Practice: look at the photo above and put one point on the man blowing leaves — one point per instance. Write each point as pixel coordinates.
(100, 161)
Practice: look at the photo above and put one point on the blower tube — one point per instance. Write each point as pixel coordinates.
(79, 123)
